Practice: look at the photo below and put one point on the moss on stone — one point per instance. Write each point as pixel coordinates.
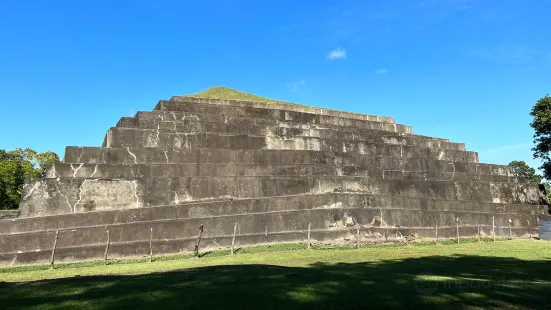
(220, 92)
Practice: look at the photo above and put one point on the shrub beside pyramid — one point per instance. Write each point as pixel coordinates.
(223, 157)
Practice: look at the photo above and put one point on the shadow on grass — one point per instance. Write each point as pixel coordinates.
(428, 282)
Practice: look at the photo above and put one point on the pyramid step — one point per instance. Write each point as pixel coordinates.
(121, 171)
(71, 195)
(406, 162)
(286, 131)
(134, 249)
(255, 223)
(146, 119)
(118, 171)
(129, 155)
(255, 205)
(240, 125)
(209, 119)
(142, 248)
(248, 108)
(129, 137)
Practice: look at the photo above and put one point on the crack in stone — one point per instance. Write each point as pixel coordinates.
(133, 155)
(135, 183)
(165, 151)
(66, 198)
(81, 153)
(31, 191)
(79, 195)
(158, 133)
(75, 171)
(95, 171)
(139, 172)
(116, 219)
(453, 173)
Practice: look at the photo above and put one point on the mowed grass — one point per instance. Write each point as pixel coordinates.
(220, 92)
(498, 275)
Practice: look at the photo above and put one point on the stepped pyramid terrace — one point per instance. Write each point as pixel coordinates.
(276, 169)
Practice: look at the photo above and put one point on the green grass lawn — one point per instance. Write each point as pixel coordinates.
(220, 92)
(498, 275)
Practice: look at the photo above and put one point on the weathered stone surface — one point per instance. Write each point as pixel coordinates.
(71, 195)
(222, 122)
(271, 168)
(286, 132)
(74, 195)
(282, 108)
(374, 172)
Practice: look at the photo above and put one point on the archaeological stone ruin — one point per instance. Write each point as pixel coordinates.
(275, 170)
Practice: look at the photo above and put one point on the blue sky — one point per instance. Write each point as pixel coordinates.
(465, 70)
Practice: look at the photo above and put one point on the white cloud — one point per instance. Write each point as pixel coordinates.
(296, 85)
(381, 71)
(336, 54)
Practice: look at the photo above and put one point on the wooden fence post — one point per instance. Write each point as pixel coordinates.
(358, 236)
(457, 228)
(198, 240)
(494, 227)
(266, 231)
(151, 244)
(529, 230)
(478, 226)
(52, 259)
(510, 231)
(233, 239)
(436, 231)
(309, 243)
(106, 249)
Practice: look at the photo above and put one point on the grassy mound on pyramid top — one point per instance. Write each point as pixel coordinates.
(220, 92)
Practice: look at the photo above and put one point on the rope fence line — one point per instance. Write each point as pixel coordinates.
(402, 233)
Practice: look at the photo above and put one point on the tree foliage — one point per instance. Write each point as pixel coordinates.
(541, 112)
(528, 174)
(524, 172)
(16, 166)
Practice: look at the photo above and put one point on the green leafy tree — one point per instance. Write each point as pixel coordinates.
(45, 159)
(524, 172)
(528, 174)
(16, 166)
(5, 201)
(541, 112)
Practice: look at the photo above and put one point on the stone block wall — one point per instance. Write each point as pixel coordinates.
(272, 168)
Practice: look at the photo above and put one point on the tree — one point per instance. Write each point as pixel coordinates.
(46, 159)
(524, 172)
(528, 174)
(5, 201)
(16, 166)
(541, 112)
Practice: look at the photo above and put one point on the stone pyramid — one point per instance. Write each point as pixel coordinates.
(273, 168)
